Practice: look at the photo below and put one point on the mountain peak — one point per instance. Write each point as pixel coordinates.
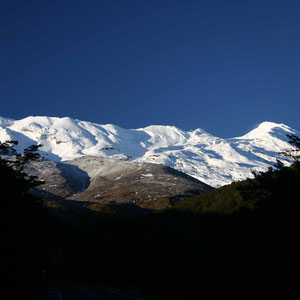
(268, 129)
(266, 125)
(212, 160)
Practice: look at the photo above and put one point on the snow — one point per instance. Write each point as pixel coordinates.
(266, 129)
(211, 159)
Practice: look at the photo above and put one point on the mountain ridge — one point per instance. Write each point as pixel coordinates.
(213, 160)
(107, 180)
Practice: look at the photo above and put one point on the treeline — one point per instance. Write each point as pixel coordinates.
(238, 240)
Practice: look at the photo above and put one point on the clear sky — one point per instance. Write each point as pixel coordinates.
(223, 66)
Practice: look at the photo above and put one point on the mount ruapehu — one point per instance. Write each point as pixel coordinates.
(105, 162)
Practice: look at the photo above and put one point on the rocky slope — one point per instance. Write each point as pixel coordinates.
(106, 180)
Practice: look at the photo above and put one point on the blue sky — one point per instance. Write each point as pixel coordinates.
(223, 66)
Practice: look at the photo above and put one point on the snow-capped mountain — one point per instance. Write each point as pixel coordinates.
(212, 160)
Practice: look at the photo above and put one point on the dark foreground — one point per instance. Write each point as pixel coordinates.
(237, 241)
(69, 291)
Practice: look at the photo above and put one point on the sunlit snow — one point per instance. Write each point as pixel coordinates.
(211, 159)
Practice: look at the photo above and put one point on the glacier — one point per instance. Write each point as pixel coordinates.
(213, 160)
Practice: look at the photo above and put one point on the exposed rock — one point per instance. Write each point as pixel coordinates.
(106, 180)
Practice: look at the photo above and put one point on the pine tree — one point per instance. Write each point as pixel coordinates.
(21, 224)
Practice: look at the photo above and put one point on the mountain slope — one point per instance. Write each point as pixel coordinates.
(210, 159)
(107, 180)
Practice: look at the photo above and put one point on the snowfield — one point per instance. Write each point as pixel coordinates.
(212, 160)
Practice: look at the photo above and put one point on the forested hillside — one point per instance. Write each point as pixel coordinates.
(238, 240)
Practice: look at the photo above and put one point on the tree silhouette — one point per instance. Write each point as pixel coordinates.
(293, 153)
(12, 176)
(21, 223)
